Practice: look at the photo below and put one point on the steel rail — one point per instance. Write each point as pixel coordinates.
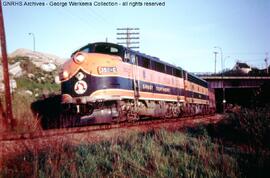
(63, 131)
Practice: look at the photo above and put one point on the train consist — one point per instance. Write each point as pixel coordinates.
(105, 82)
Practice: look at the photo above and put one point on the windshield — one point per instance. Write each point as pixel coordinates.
(103, 48)
(107, 49)
(86, 49)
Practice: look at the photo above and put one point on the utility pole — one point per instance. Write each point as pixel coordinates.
(215, 52)
(222, 78)
(266, 63)
(129, 35)
(9, 114)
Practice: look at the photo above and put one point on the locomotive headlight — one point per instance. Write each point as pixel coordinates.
(78, 58)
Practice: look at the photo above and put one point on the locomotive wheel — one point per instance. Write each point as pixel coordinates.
(132, 115)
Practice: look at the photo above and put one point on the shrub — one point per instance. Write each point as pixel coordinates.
(252, 126)
(245, 134)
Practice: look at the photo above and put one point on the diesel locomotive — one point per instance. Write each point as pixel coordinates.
(106, 82)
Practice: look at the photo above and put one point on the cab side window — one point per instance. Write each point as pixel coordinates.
(133, 58)
(127, 56)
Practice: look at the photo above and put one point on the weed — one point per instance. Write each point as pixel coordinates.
(151, 154)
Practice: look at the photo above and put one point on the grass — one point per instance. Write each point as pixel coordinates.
(22, 114)
(152, 154)
(40, 83)
(36, 80)
(236, 147)
(37, 88)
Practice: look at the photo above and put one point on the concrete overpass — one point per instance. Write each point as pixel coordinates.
(240, 90)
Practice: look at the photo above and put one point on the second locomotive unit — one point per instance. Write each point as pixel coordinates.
(106, 82)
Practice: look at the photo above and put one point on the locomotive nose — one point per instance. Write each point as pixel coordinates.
(77, 86)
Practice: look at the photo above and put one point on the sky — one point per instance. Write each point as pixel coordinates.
(183, 32)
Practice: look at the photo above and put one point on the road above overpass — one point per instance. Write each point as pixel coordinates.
(236, 81)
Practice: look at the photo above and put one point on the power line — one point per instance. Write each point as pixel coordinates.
(90, 18)
(245, 53)
(78, 19)
(97, 14)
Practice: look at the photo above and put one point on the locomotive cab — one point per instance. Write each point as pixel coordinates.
(86, 79)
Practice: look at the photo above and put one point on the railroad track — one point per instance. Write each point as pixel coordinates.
(64, 131)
